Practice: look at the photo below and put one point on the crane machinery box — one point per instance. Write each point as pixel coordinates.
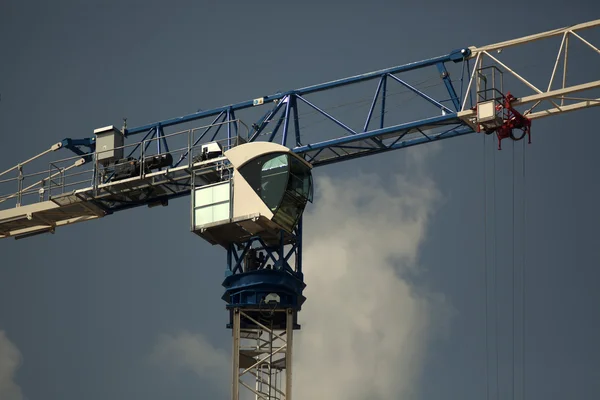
(109, 144)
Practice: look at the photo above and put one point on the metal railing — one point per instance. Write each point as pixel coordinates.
(140, 160)
(490, 84)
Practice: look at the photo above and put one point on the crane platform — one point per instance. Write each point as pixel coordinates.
(65, 197)
(96, 202)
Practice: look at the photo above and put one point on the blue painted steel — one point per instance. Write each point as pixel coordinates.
(287, 120)
(421, 94)
(355, 142)
(341, 124)
(383, 97)
(448, 82)
(219, 127)
(250, 278)
(303, 91)
(161, 140)
(250, 288)
(277, 255)
(459, 55)
(462, 130)
(228, 112)
(184, 155)
(137, 146)
(376, 74)
(449, 118)
(459, 131)
(75, 144)
(277, 126)
(296, 122)
(258, 127)
(373, 103)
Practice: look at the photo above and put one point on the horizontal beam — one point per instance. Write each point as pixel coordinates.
(449, 119)
(376, 74)
(459, 131)
(533, 38)
(453, 56)
(557, 93)
(563, 109)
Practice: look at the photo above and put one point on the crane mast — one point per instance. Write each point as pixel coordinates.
(249, 184)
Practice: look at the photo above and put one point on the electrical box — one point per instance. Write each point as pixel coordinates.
(109, 144)
(487, 115)
(486, 111)
(211, 150)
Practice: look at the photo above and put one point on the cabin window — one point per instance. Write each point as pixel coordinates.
(283, 182)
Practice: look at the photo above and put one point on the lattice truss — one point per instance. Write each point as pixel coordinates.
(542, 86)
(262, 356)
(339, 120)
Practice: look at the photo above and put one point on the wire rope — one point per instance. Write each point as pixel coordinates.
(523, 281)
(513, 271)
(495, 278)
(485, 269)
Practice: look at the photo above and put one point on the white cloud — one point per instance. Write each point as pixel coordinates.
(365, 327)
(187, 351)
(10, 361)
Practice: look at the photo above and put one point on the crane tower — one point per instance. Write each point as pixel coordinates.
(249, 185)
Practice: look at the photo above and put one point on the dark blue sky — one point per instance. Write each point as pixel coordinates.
(129, 306)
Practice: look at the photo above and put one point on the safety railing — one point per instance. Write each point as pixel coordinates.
(490, 84)
(176, 151)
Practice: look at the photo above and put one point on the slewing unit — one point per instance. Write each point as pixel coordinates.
(254, 212)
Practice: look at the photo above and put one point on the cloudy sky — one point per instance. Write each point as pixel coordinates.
(395, 245)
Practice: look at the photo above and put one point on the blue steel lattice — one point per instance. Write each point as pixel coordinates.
(251, 279)
(301, 120)
(284, 116)
(287, 118)
(342, 139)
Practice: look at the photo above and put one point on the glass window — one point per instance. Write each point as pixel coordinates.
(289, 212)
(300, 181)
(268, 176)
(283, 182)
(274, 179)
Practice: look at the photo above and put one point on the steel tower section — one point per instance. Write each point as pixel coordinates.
(217, 159)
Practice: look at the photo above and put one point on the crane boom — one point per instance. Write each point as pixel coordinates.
(447, 113)
(249, 183)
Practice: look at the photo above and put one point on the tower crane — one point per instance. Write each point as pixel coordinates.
(249, 184)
